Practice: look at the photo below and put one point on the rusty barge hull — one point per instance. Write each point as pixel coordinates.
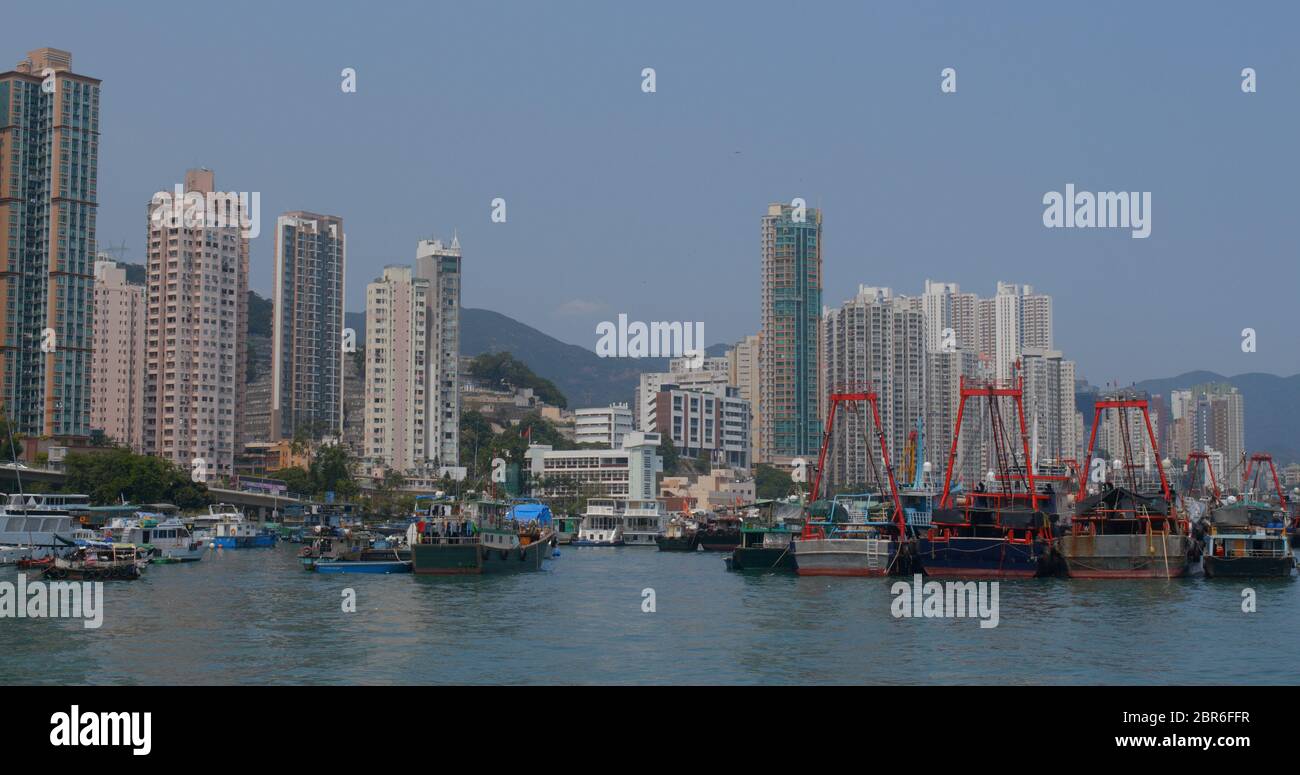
(1127, 556)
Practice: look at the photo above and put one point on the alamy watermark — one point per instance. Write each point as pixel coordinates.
(1102, 210)
(96, 728)
(53, 600)
(922, 599)
(208, 210)
(658, 339)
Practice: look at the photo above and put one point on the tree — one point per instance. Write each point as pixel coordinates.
(11, 446)
(505, 369)
(331, 471)
(668, 452)
(771, 482)
(120, 474)
(298, 480)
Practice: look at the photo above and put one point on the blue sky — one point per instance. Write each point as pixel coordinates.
(649, 204)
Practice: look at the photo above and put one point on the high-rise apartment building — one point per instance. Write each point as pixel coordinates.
(874, 342)
(1049, 403)
(118, 363)
(195, 342)
(743, 373)
(943, 379)
(1220, 423)
(790, 382)
(397, 371)
(439, 266)
(307, 349)
(49, 190)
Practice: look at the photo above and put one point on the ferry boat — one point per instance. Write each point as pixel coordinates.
(1246, 540)
(643, 522)
(602, 523)
(226, 528)
(163, 542)
(35, 525)
(476, 538)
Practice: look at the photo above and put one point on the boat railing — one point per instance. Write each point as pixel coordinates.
(447, 540)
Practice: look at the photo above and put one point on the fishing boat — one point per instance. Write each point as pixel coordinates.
(767, 536)
(602, 523)
(719, 532)
(566, 528)
(852, 535)
(1249, 538)
(995, 530)
(342, 551)
(100, 561)
(226, 528)
(1246, 540)
(864, 534)
(166, 541)
(478, 537)
(678, 536)
(643, 522)
(1121, 532)
(35, 525)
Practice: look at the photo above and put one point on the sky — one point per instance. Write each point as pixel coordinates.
(649, 204)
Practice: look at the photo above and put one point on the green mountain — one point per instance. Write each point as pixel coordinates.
(584, 378)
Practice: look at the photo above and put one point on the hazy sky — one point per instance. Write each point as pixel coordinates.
(649, 204)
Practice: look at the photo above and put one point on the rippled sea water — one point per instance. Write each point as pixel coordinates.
(255, 617)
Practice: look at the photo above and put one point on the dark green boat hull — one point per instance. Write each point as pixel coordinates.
(759, 558)
(474, 559)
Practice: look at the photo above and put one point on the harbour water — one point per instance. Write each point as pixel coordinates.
(254, 617)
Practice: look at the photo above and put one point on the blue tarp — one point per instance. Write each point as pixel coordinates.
(531, 512)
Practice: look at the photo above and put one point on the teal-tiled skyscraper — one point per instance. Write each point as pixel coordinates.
(791, 318)
(49, 162)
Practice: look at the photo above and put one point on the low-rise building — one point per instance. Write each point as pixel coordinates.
(630, 471)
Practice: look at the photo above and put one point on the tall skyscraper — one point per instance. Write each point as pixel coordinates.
(397, 370)
(874, 342)
(439, 265)
(790, 386)
(49, 168)
(196, 336)
(1022, 319)
(118, 370)
(307, 360)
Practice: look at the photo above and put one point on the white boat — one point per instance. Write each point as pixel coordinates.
(643, 522)
(171, 540)
(602, 523)
(34, 525)
(224, 527)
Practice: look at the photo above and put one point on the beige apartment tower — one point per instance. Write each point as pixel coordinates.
(118, 364)
(196, 350)
(397, 370)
